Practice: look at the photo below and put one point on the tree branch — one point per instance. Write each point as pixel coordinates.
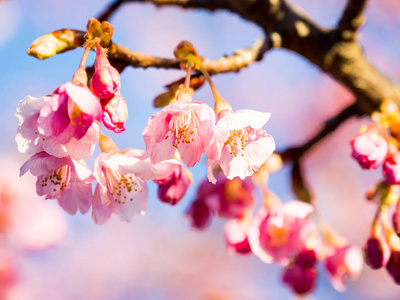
(351, 19)
(294, 154)
(110, 10)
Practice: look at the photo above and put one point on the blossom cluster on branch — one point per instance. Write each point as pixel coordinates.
(62, 129)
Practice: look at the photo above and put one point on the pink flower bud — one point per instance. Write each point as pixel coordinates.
(173, 181)
(115, 113)
(369, 149)
(199, 214)
(393, 266)
(105, 80)
(391, 169)
(376, 252)
(301, 273)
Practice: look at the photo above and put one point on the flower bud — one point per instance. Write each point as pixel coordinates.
(55, 42)
(301, 273)
(376, 252)
(105, 80)
(183, 49)
(93, 28)
(393, 266)
(391, 169)
(199, 214)
(173, 184)
(369, 149)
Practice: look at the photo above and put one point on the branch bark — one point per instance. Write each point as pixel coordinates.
(352, 19)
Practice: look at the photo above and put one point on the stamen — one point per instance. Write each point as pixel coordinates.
(122, 186)
(237, 141)
(183, 128)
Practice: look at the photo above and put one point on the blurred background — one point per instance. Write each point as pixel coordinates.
(51, 255)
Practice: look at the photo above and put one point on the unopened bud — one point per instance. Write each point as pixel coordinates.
(55, 42)
(393, 266)
(108, 31)
(93, 28)
(376, 252)
(183, 49)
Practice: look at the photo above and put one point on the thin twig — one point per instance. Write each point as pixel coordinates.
(295, 153)
(110, 10)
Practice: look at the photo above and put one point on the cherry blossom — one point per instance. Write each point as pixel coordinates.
(173, 180)
(346, 261)
(391, 168)
(122, 187)
(240, 144)
(369, 149)
(276, 233)
(236, 235)
(182, 125)
(69, 113)
(63, 179)
(115, 113)
(301, 273)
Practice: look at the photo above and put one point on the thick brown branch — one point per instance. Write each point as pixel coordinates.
(290, 28)
(351, 19)
(206, 4)
(295, 153)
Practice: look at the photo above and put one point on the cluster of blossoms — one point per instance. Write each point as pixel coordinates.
(379, 144)
(278, 232)
(62, 129)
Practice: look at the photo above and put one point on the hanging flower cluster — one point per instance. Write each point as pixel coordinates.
(379, 144)
(62, 129)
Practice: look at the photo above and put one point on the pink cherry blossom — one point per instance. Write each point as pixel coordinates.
(63, 179)
(173, 180)
(30, 141)
(106, 80)
(182, 125)
(69, 113)
(122, 187)
(115, 113)
(236, 236)
(369, 149)
(240, 144)
(391, 169)
(226, 199)
(301, 273)
(277, 233)
(343, 262)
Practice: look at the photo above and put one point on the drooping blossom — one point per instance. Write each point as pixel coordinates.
(69, 113)
(226, 199)
(183, 125)
(30, 141)
(343, 262)
(391, 168)
(276, 233)
(63, 179)
(369, 149)
(106, 80)
(301, 273)
(240, 145)
(173, 180)
(122, 187)
(236, 235)
(115, 113)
